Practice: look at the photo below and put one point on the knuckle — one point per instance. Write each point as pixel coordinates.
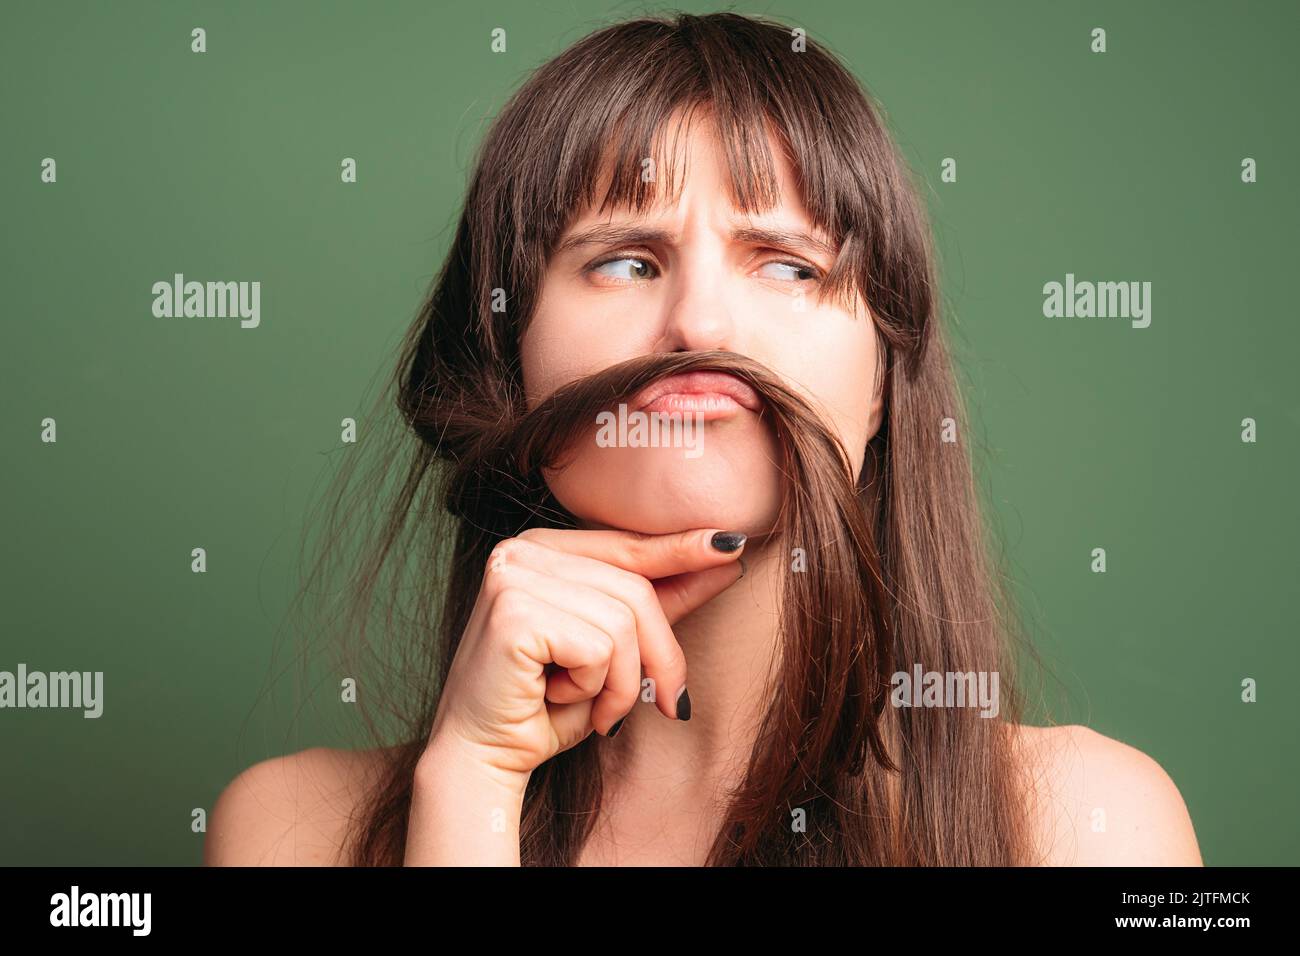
(497, 557)
(603, 647)
(622, 619)
(640, 588)
(505, 550)
(495, 576)
(511, 607)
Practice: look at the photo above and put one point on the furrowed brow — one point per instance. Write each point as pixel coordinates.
(610, 234)
(784, 237)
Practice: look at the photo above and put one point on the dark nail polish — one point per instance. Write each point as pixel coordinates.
(618, 724)
(684, 705)
(728, 541)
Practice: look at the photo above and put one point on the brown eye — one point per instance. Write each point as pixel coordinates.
(625, 267)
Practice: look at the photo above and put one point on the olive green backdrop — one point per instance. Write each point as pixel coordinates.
(182, 433)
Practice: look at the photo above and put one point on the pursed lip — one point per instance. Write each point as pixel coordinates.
(698, 391)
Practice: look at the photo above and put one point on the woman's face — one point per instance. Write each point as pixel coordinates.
(692, 276)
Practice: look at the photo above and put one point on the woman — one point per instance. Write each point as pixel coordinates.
(700, 217)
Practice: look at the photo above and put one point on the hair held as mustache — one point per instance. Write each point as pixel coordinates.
(498, 455)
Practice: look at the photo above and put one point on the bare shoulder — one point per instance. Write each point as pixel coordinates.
(1098, 802)
(290, 811)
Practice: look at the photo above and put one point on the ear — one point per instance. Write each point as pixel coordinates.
(876, 416)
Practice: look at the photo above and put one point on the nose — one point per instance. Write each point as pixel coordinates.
(699, 315)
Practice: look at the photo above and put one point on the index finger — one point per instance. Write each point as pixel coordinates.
(649, 555)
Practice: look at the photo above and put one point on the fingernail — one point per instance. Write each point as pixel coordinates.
(728, 541)
(742, 567)
(617, 726)
(683, 705)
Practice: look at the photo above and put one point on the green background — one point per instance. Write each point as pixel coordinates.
(177, 433)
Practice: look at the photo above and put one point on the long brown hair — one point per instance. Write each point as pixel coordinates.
(900, 574)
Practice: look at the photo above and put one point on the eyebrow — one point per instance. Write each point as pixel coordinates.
(641, 235)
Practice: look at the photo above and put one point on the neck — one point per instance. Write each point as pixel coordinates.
(731, 652)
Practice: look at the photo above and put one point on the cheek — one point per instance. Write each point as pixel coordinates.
(541, 360)
(837, 374)
(850, 398)
(556, 345)
(562, 347)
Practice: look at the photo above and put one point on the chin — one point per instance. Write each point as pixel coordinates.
(732, 486)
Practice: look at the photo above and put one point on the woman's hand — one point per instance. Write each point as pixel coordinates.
(564, 623)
